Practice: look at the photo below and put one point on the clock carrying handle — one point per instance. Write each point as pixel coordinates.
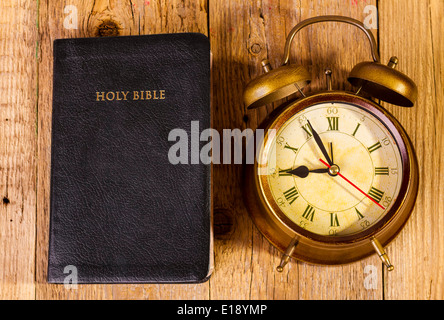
(313, 20)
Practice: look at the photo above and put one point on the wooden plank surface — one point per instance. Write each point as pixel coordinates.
(241, 33)
(419, 248)
(18, 81)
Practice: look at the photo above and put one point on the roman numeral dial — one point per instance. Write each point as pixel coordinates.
(316, 198)
(376, 194)
(287, 146)
(309, 213)
(356, 129)
(374, 147)
(334, 221)
(307, 130)
(333, 123)
(384, 171)
(291, 195)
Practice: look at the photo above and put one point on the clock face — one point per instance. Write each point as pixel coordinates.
(347, 187)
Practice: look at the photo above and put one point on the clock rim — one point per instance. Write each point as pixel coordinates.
(282, 115)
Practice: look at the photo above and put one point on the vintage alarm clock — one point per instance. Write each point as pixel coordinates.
(338, 179)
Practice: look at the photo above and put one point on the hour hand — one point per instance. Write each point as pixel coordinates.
(303, 171)
(320, 144)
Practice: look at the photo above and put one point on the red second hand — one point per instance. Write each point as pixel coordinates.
(354, 185)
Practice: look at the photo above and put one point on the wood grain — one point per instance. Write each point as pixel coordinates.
(18, 81)
(241, 33)
(419, 249)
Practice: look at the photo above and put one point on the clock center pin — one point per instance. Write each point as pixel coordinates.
(333, 170)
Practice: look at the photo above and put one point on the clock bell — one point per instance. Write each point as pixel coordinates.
(381, 81)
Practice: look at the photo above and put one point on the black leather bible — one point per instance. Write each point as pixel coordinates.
(120, 210)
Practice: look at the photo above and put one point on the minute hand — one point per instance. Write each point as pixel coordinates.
(320, 144)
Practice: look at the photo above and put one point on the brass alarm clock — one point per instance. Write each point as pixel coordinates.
(336, 177)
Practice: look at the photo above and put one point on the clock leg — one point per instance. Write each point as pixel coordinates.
(382, 254)
(287, 255)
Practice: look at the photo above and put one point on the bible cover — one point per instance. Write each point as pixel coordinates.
(120, 211)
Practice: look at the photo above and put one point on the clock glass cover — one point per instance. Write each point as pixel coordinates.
(342, 190)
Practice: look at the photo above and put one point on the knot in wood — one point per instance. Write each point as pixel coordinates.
(108, 28)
